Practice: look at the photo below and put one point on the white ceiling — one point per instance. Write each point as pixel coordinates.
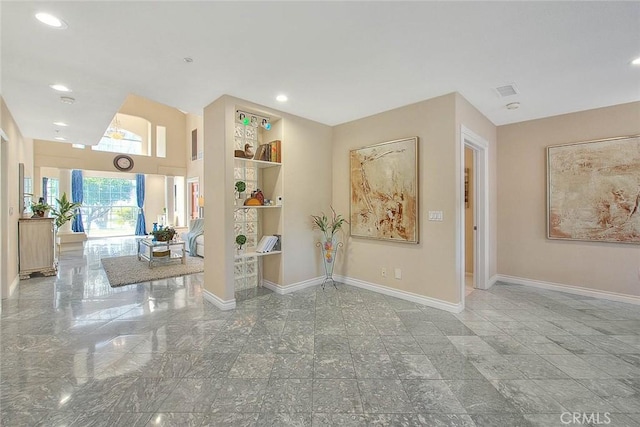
(337, 61)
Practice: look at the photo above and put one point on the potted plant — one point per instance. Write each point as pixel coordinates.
(329, 247)
(40, 208)
(240, 188)
(241, 239)
(329, 227)
(164, 234)
(65, 210)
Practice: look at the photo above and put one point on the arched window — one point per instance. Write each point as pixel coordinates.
(126, 134)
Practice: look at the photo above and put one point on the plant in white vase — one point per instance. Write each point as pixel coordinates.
(241, 239)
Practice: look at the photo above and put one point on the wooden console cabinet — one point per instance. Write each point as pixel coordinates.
(36, 247)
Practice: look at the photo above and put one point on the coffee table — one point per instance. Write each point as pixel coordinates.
(156, 252)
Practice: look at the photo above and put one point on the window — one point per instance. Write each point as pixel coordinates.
(161, 141)
(129, 143)
(109, 207)
(52, 191)
(128, 135)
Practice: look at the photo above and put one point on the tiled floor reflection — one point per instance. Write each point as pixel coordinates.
(75, 352)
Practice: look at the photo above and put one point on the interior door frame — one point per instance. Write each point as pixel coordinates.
(480, 149)
(190, 211)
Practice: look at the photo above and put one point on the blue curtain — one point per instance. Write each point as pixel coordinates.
(45, 181)
(76, 197)
(141, 226)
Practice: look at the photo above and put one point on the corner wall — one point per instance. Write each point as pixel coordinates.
(306, 174)
(15, 150)
(523, 249)
(429, 267)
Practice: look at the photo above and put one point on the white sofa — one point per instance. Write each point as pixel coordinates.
(199, 239)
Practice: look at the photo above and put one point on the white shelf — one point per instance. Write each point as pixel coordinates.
(258, 163)
(238, 208)
(252, 254)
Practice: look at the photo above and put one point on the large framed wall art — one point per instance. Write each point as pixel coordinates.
(384, 191)
(593, 190)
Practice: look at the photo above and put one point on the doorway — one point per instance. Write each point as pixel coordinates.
(469, 219)
(473, 245)
(193, 189)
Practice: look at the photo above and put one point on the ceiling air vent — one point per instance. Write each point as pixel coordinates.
(507, 90)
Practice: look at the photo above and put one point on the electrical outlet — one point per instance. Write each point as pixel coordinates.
(398, 274)
(383, 272)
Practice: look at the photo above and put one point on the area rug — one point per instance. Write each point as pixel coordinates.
(125, 270)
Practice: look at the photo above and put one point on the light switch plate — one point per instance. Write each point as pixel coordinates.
(435, 215)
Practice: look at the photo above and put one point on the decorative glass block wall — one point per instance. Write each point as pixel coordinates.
(246, 219)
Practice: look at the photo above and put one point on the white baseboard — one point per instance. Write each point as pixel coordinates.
(281, 290)
(14, 285)
(492, 281)
(576, 290)
(408, 296)
(221, 304)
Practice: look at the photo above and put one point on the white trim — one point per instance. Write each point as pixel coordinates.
(570, 289)
(481, 210)
(281, 290)
(221, 304)
(407, 296)
(14, 285)
(492, 281)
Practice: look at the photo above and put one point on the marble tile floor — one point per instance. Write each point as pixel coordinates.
(75, 352)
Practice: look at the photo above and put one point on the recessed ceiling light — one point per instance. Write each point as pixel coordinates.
(636, 61)
(60, 138)
(513, 105)
(60, 88)
(50, 20)
(63, 124)
(67, 100)
(282, 98)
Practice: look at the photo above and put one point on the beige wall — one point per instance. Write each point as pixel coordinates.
(523, 249)
(16, 149)
(65, 156)
(195, 168)
(428, 268)
(306, 179)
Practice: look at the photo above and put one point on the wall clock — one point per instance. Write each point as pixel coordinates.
(123, 163)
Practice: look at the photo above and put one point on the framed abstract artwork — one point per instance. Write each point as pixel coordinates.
(593, 190)
(384, 191)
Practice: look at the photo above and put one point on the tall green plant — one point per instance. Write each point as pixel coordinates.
(64, 210)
